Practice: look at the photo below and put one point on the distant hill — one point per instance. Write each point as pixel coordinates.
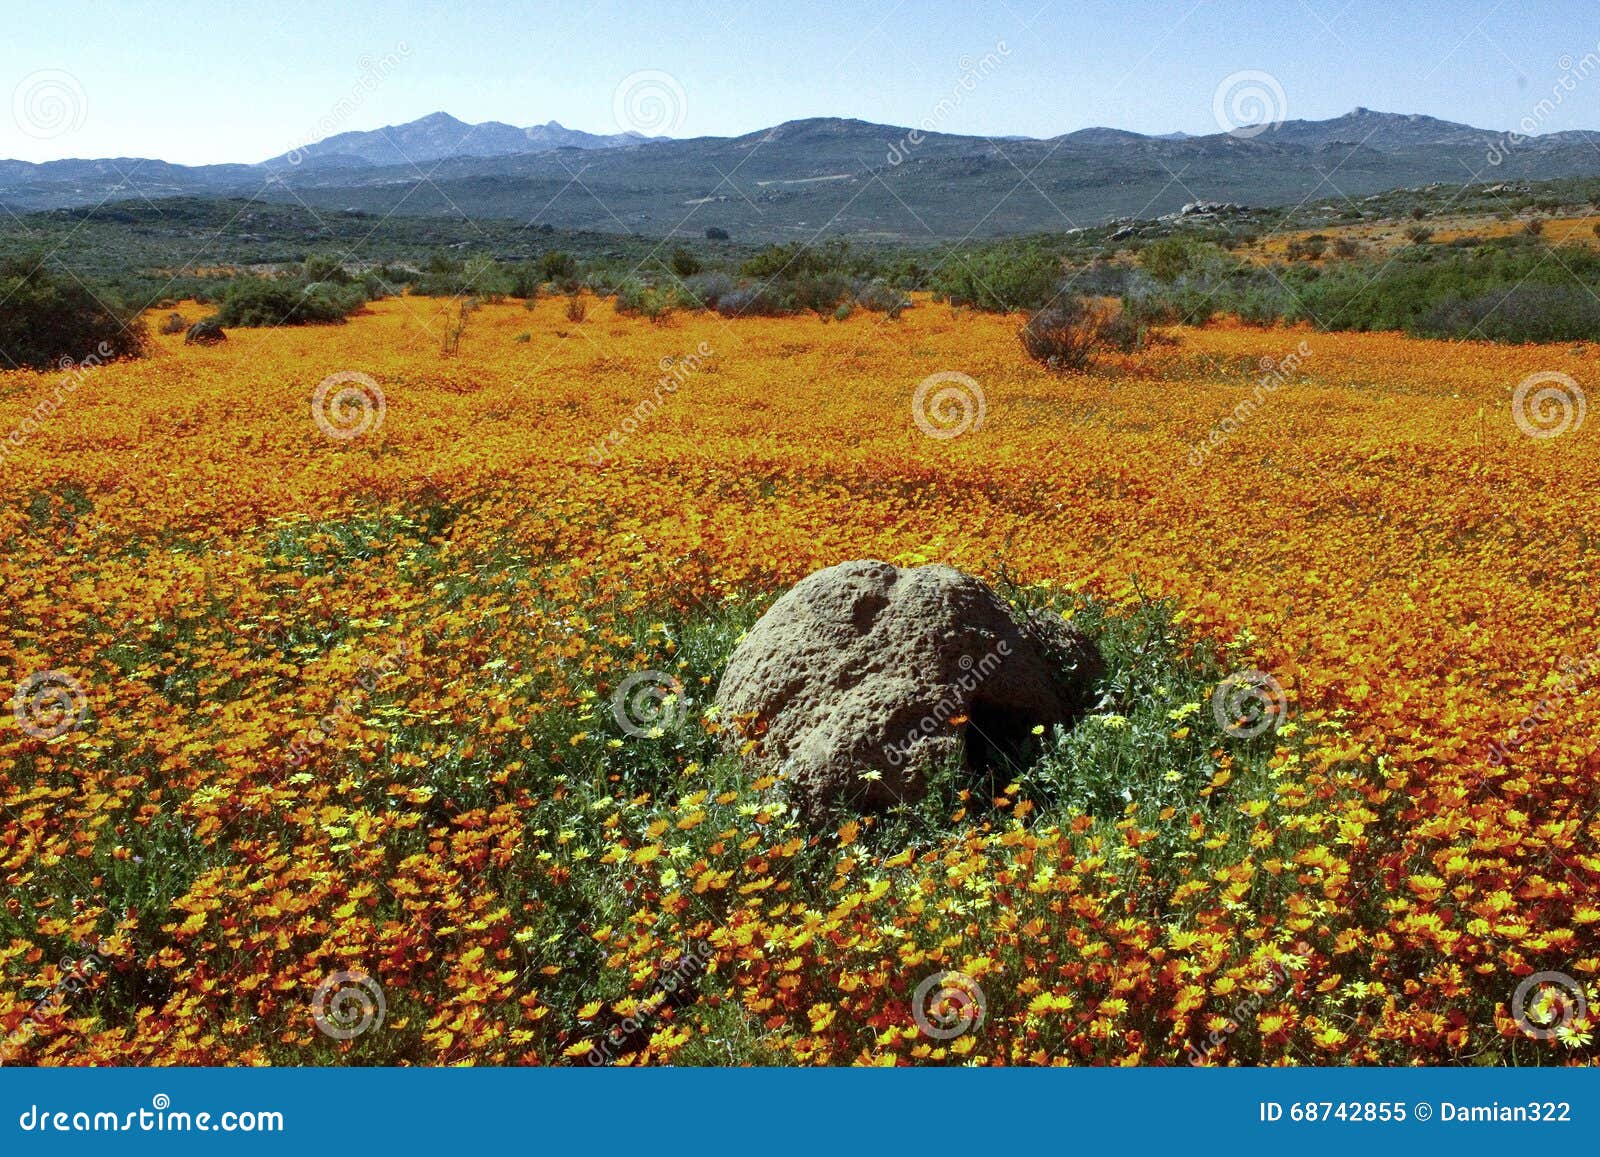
(441, 135)
(827, 175)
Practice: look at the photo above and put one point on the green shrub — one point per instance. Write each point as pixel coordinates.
(821, 292)
(880, 298)
(1523, 313)
(637, 297)
(753, 301)
(1307, 248)
(558, 266)
(1168, 259)
(1000, 280)
(324, 269)
(254, 301)
(46, 319)
(1065, 336)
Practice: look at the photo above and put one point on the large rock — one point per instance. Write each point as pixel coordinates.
(865, 678)
(207, 331)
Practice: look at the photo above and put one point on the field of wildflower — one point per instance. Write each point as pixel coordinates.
(362, 698)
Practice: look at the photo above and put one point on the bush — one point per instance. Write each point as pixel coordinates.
(637, 297)
(174, 324)
(1122, 331)
(752, 301)
(1000, 280)
(684, 263)
(706, 289)
(1168, 259)
(716, 234)
(328, 269)
(47, 318)
(821, 292)
(577, 308)
(1065, 336)
(880, 298)
(558, 266)
(255, 301)
(1524, 313)
(1307, 248)
(1181, 305)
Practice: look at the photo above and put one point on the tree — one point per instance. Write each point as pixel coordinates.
(48, 318)
(1168, 259)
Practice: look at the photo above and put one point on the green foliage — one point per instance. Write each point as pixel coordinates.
(1168, 259)
(796, 260)
(635, 296)
(1520, 313)
(881, 298)
(324, 269)
(269, 302)
(558, 266)
(1001, 279)
(47, 318)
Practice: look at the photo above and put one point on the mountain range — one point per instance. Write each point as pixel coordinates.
(441, 135)
(826, 175)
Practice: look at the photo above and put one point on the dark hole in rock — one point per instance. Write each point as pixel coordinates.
(999, 741)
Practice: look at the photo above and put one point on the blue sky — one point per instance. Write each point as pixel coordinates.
(244, 81)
